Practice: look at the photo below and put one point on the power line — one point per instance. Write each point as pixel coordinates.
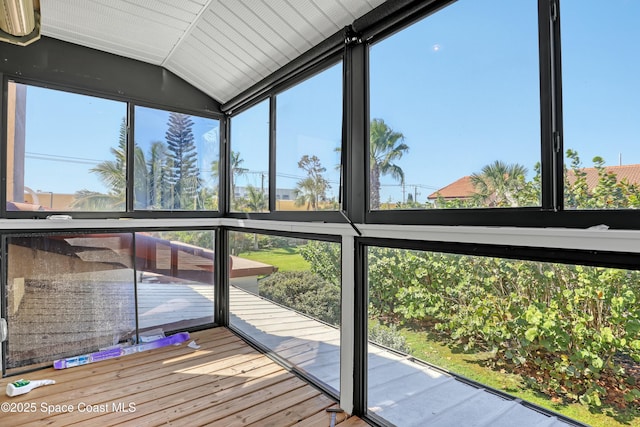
(63, 159)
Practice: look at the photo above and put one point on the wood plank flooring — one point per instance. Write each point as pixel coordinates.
(223, 383)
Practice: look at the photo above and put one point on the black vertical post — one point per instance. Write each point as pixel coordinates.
(3, 295)
(224, 167)
(221, 277)
(272, 154)
(554, 10)
(3, 151)
(355, 152)
(361, 336)
(130, 156)
(550, 106)
(355, 176)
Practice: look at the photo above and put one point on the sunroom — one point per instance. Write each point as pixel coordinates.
(269, 178)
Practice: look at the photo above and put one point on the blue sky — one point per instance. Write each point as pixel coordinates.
(461, 86)
(68, 134)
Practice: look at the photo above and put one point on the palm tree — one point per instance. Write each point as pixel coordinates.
(306, 193)
(256, 200)
(498, 183)
(385, 147)
(235, 166)
(113, 174)
(312, 189)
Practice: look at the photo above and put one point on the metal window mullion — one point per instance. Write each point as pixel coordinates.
(556, 72)
(4, 138)
(4, 297)
(360, 331)
(130, 156)
(272, 153)
(224, 167)
(347, 324)
(356, 122)
(550, 107)
(135, 285)
(221, 277)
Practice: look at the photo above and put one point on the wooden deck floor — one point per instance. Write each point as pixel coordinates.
(223, 383)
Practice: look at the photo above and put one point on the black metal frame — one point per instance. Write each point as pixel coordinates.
(253, 342)
(551, 213)
(629, 261)
(271, 93)
(351, 45)
(59, 65)
(218, 283)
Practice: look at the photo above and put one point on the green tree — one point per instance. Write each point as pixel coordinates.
(305, 292)
(113, 174)
(385, 147)
(159, 169)
(325, 260)
(256, 200)
(312, 189)
(576, 190)
(235, 166)
(607, 193)
(498, 183)
(181, 147)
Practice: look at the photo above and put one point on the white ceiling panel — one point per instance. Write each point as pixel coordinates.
(221, 47)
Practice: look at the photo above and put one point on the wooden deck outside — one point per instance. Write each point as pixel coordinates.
(223, 383)
(400, 389)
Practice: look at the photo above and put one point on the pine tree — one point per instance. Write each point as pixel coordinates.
(183, 155)
(157, 176)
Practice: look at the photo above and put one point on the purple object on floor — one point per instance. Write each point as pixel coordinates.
(111, 353)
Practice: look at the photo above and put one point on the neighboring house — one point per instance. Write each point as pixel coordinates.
(281, 193)
(628, 173)
(463, 188)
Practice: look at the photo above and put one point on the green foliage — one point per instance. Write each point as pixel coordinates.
(388, 336)
(285, 259)
(608, 193)
(499, 183)
(567, 329)
(182, 152)
(311, 190)
(386, 147)
(324, 259)
(305, 292)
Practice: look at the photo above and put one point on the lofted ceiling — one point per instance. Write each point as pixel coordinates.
(222, 47)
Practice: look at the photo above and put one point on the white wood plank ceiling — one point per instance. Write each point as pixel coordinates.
(222, 47)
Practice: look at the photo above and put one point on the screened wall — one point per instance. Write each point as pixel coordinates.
(454, 182)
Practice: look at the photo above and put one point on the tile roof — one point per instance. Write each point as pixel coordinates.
(630, 173)
(463, 188)
(460, 189)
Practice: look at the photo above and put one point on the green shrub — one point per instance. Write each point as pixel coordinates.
(305, 292)
(324, 258)
(388, 336)
(565, 328)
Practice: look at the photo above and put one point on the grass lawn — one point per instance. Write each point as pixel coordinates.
(286, 259)
(469, 365)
